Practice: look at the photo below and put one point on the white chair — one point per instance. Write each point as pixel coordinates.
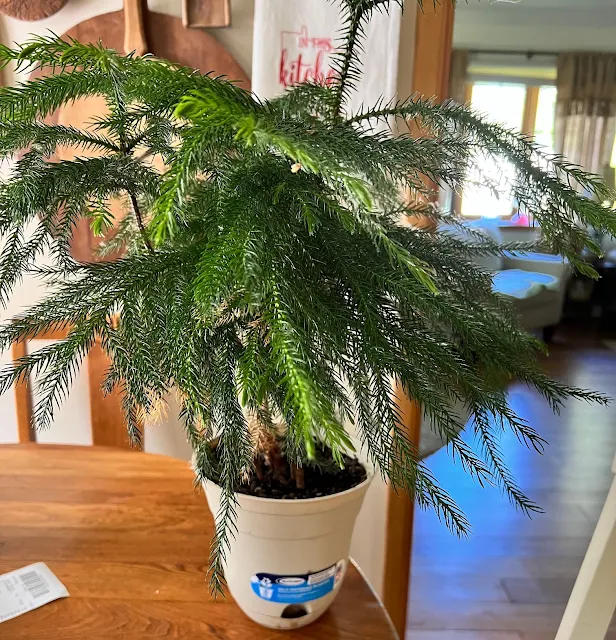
(535, 282)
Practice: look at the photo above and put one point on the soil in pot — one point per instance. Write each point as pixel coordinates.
(273, 476)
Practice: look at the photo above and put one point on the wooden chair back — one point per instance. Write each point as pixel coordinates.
(106, 417)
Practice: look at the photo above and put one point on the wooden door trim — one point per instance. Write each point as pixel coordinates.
(431, 32)
(399, 531)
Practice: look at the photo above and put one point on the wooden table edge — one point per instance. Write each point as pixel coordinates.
(390, 622)
(186, 464)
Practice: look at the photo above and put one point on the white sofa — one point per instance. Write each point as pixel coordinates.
(535, 282)
(608, 246)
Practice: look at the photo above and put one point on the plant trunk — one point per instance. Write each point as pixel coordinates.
(297, 474)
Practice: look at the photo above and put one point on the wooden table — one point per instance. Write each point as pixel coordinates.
(129, 536)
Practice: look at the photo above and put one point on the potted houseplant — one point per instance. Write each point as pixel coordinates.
(263, 272)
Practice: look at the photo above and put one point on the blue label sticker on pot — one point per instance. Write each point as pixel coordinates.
(297, 588)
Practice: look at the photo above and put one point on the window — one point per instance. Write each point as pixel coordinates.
(544, 119)
(610, 176)
(502, 103)
(519, 107)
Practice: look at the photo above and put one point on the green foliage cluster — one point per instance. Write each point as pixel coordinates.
(266, 270)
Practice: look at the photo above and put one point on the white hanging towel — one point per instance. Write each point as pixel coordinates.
(294, 41)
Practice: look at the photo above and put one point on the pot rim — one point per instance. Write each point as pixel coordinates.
(359, 452)
(370, 473)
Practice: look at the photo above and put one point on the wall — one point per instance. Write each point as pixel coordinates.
(539, 25)
(237, 39)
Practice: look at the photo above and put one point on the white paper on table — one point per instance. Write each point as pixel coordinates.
(29, 588)
(294, 41)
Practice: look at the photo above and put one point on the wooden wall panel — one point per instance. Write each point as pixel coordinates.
(399, 538)
(431, 54)
(433, 39)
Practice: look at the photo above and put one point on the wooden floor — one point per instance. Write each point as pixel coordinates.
(512, 578)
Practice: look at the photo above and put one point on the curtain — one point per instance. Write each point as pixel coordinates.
(458, 75)
(586, 109)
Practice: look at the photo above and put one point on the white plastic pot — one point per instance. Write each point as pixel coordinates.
(289, 557)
